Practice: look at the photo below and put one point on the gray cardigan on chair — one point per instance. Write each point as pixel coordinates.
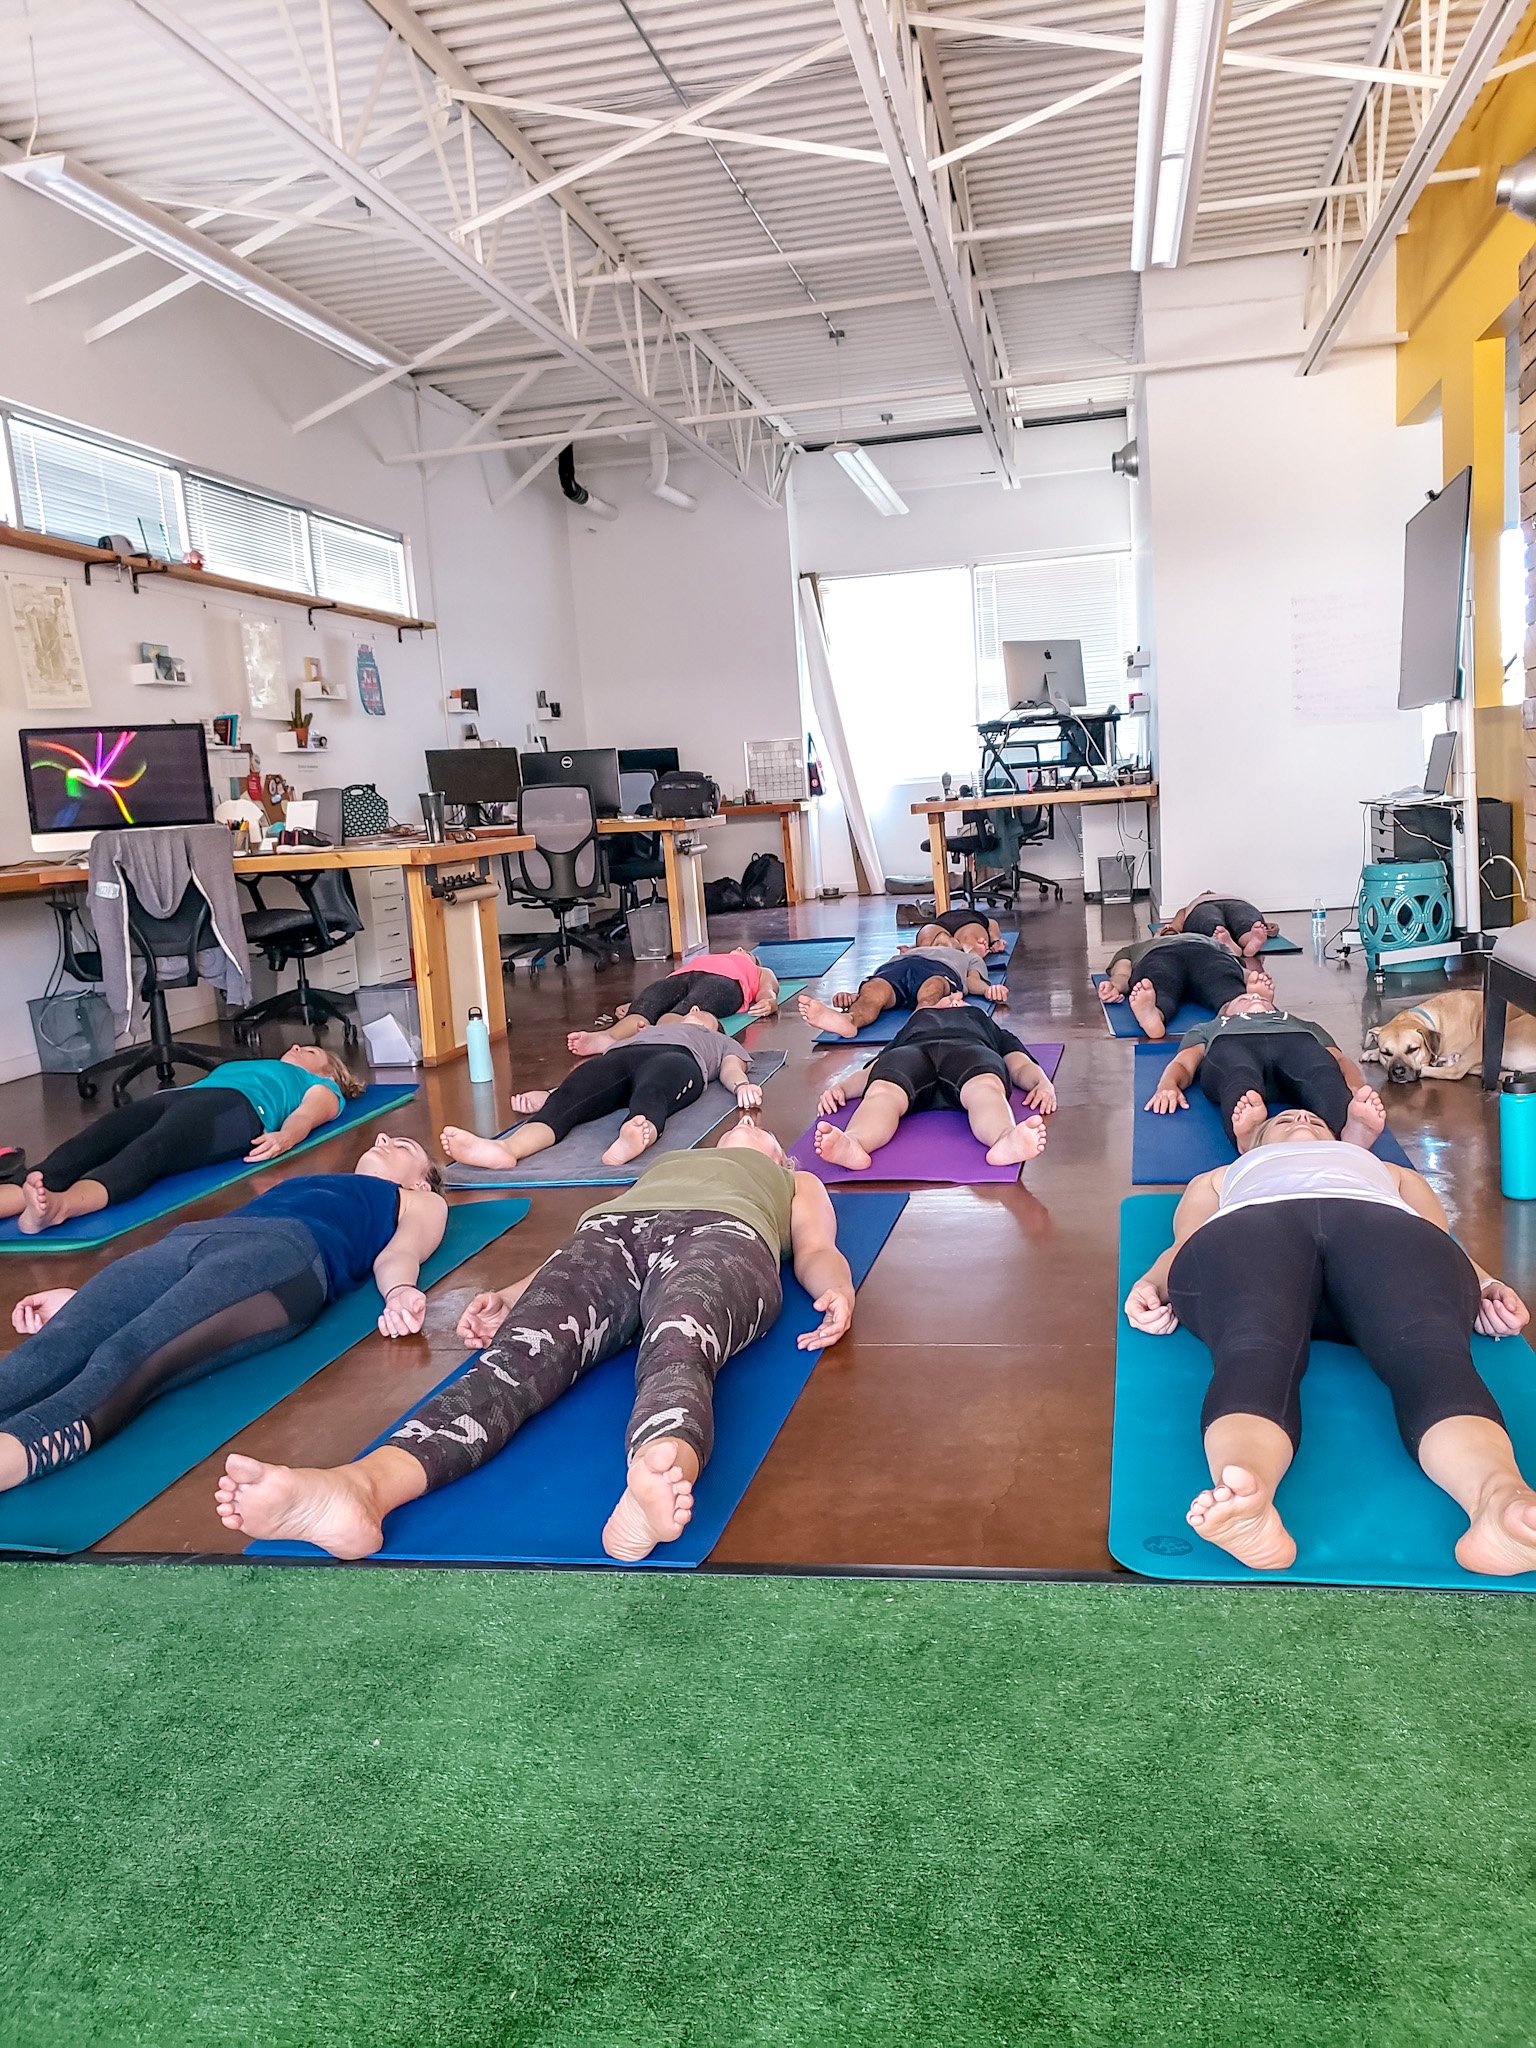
(160, 861)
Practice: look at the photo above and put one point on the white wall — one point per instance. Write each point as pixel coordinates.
(207, 382)
(1266, 489)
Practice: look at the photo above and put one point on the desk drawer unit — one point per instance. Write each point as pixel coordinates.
(384, 943)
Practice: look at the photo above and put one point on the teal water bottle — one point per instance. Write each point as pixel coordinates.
(477, 1041)
(1517, 1137)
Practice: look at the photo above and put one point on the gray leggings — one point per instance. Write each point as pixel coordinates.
(204, 1296)
(694, 1286)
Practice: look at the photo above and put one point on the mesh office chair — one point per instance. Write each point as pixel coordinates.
(166, 949)
(293, 934)
(563, 870)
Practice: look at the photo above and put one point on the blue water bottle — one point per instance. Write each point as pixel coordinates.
(1517, 1137)
(477, 1040)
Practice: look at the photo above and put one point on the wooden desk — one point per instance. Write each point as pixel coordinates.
(790, 828)
(937, 809)
(684, 884)
(442, 1007)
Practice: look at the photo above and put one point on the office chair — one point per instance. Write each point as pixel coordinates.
(631, 859)
(293, 934)
(155, 941)
(564, 869)
(1029, 825)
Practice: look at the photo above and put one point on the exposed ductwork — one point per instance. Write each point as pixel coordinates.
(578, 493)
(657, 483)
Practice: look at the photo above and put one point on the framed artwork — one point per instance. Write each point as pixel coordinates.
(370, 684)
(47, 645)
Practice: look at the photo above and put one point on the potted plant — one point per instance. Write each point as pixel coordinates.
(301, 720)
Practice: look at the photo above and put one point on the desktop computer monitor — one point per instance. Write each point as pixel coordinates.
(475, 778)
(85, 779)
(1435, 548)
(1044, 674)
(596, 768)
(638, 769)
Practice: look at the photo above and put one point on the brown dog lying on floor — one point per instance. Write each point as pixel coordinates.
(1441, 1039)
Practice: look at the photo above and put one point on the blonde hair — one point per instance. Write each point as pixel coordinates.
(338, 1071)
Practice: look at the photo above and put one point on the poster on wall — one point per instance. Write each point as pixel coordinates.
(370, 684)
(1343, 663)
(47, 645)
(261, 650)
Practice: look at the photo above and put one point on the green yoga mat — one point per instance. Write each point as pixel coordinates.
(788, 990)
(1279, 943)
(71, 1509)
(1362, 1512)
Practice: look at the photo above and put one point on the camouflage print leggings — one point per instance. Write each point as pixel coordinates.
(695, 1287)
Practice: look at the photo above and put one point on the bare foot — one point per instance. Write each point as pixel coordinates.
(1250, 1113)
(835, 1146)
(1502, 1537)
(529, 1100)
(587, 1044)
(1108, 992)
(1025, 1141)
(1367, 1118)
(826, 1018)
(37, 1206)
(468, 1148)
(296, 1504)
(1238, 1516)
(1258, 982)
(635, 1136)
(1143, 1002)
(656, 1505)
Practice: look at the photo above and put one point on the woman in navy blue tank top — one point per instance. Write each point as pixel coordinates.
(210, 1293)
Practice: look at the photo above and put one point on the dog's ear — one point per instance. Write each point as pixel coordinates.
(1432, 1040)
(1372, 1041)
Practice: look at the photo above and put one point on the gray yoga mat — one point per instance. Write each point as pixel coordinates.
(577, 1161)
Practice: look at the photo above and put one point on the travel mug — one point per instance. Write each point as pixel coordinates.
(432, 817)
(1517, 1137)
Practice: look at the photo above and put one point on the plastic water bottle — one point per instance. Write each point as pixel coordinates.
(477, 1040)
(1517, 1137)
(1319, 928)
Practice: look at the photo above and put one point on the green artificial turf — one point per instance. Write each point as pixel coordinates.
(312, 1806)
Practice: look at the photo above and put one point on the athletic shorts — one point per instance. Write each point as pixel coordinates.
(931, 1076)
(906, 976)
(1231, 911)
(720, 995)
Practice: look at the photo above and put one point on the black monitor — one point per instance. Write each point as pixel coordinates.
(652, 761)
(596, 768)
(1435, 597)
(475, 778)
(85, 779)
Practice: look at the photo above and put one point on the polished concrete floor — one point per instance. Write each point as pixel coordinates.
(965, 1424)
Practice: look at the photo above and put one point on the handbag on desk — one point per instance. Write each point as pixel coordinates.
(364, 813)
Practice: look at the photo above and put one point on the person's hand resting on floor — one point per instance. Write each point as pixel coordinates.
(765, 1006)
(405, 1310)
(270, 1145)
(33, 1310)
(1166, 1100)
(749, 1096)
(1503, 1313)
(1146, 1309)
(835, 1308)
(997, 993)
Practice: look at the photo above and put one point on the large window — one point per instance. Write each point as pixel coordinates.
(78, 486)
(1072, 597)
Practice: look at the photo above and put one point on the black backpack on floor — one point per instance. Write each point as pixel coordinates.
(723, 896)
(763, 885)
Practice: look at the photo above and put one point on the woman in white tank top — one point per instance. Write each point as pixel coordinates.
(1307, 1237)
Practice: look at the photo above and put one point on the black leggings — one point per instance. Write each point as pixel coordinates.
(648, 1080)
(1258, 1284)
(1287, 1068)
(129, 1149)
(1181, 973)
(1231, 911)
(720, 994)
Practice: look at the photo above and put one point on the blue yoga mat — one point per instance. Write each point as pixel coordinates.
(809, 957)
(1173, 1148)
(71, 1509)
(1362, 1512)
(545, 1499)
(180, 1189)
(1123, 1024)
(889, 1022)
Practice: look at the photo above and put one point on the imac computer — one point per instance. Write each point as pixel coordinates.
(85, 779)
(476, 780)
(638, 769)
(596, 768)
(1044, 675)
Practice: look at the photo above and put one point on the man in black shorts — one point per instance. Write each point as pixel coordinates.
(1251, 1055)
(961, 920)
(921, 976)
(948, 1055)
(1156, 975)
(1230, 920)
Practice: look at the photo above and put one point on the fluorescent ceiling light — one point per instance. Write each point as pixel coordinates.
(99, 199)
(1181, 67)
(854, 461)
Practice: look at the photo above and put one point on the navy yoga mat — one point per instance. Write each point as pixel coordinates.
(180, 1189)
(1193, 1140)
(545, 1499)
(1123, 1024)
(809, 957)
(933, 1145)
(577, 1161)
(1362, 1512)
(70, 1509)
(889, 1022)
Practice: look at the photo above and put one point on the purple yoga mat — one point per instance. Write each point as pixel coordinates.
(932, 1145)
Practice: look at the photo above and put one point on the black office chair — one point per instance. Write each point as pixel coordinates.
(155, 941)
(564, 870)
(1029, 825)
(631, 860)
(293, 934)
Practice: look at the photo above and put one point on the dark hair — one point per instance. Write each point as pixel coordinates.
(434, 1179)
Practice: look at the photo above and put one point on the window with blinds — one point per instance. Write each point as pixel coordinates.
(1087, 598)
(80, 489)
(244, 535)
(354, 566)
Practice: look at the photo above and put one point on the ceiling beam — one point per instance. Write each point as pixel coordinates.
(748, 138)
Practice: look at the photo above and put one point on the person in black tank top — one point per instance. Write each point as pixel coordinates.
(211, 1293)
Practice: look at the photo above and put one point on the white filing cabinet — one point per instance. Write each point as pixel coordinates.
(383, 946)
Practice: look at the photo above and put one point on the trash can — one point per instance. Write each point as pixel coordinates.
(650, 931)
(73, 1030)
(391, 1019)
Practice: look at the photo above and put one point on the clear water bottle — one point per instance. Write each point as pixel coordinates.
(477, 1042)
(1319, 928)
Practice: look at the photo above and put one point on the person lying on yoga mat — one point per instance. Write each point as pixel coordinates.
(916, 979)
(253, 1110)
(1156, 975)
(1230, 920)
(210, 1293)
(1307, 1237)
(1252, 1054)
(721, 983)
(947, 1055)
(686, 1262)
(960, 923)
(653, 1077)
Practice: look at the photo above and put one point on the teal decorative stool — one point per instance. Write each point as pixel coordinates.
(1403, 903)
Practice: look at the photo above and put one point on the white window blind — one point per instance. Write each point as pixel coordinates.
(1074, 597)
(354, 566)
(242, 534)
(80, 489)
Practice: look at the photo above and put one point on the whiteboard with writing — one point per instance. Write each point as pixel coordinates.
(1343, 660)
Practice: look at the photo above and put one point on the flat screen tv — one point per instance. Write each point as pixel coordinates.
(1435, 597)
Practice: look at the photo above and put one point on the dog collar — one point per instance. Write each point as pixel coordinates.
(1415, 1011)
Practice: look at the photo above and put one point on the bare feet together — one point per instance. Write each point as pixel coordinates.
(656, 1505)
(1250, 1113)
(1143, 1002)
(838, 1149)
(1237, 1515)
(1367, 1118)
(1024, 1141)
(636, 1135)
(296, 1504)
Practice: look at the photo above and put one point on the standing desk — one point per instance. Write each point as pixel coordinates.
(938, 809)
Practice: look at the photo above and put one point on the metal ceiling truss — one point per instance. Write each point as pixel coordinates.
(486, 172)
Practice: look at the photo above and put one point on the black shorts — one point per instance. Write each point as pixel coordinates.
(1231, 911)
(721, 995)
(907, 975)
(931, 1076)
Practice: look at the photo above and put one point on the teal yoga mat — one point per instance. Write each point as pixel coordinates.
(182, 1189)
(1279, 943)
(71, 1509)
(1362, 1512)
(734, 1026)
(809, 957)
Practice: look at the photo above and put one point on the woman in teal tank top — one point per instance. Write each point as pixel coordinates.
(253, 1110)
